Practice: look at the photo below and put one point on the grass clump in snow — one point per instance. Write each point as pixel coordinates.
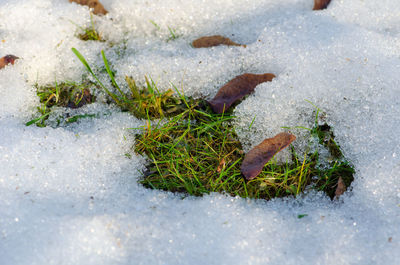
(195, 151)
(333, 166)
(142, 102)
(65, 94)
(198, 152)
(90, 33)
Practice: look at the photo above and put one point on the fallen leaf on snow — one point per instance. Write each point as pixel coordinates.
(256, 158)
(8, 59)
(321, 4)
(236, 89)
(340, 189)
(210, 41)
(98, 8)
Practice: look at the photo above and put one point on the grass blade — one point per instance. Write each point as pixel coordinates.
(89, 69)
(111, 74)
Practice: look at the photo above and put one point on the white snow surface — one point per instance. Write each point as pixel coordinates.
(69, 195)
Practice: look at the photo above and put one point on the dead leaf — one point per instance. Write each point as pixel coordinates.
(236, 89)
(340, 189)
(321, 4)
(98, 8)
(80, 99)
(210, 41)
(256, 158)
(8, 59)
(221, 165)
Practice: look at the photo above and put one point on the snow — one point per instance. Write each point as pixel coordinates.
(69, 194)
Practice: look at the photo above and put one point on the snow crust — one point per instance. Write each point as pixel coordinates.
(69, 195)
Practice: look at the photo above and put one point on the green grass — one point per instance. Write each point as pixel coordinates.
(65, 94)
(89, 33)
(172, 33)
(195, 151)
(143, 102)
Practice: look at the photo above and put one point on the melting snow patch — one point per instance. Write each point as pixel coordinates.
(69, 195)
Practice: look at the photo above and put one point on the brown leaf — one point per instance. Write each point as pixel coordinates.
(221, 165)
(321, 4)
(98, 8)
(340, 189)
(236, 89)
(81, 99)
(256, 158)
(210, 41)
(8, 59)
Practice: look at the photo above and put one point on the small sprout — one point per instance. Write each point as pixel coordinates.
(172, 33)
(155, 24)
(78, 117)
(90, 33)
(302, 215)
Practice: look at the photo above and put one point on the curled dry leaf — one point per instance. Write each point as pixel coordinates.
(340, 189)
(210, 41)
(321, 4)
(221, 165)
(236, 89)
(80, 99)
(256, 158)
(8, 59)
(98, 8)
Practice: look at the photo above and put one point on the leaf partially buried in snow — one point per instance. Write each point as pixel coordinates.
(98, 8)
(8, 59)
(321, 4)
(236, 89)
(256, 158)
(340, 189)
(80, 99)
(210, 41)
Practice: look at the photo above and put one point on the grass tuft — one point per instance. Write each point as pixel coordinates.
(196, 151)
(143, 102)
(90, 33)
(65, 94)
